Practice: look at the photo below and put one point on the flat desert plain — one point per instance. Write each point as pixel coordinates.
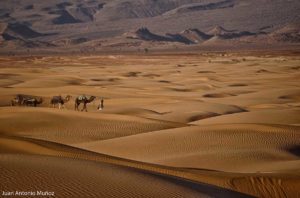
(194, 125)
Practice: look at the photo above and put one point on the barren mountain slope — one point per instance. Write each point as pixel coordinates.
(99, 23)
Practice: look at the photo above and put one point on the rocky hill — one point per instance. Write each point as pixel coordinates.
(101, 24)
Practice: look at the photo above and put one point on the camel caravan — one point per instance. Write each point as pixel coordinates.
(56, 101)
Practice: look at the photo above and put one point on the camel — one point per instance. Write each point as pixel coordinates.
(20, 99)
(32, 101)
(85, 100)
(60, 101)
(15, 102)
(101, 106)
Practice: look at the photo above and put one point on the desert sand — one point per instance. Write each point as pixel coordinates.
(181, 125)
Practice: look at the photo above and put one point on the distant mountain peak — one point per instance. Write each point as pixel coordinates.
(195, 35)
(218, 30)
(143, 30)
(218, 33)
(288, 33)
(19, 30)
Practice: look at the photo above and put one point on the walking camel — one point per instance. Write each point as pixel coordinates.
(27, 100)
(60, 101)
(15, 102)
(19, 99)
(32, 101)
(85, 100)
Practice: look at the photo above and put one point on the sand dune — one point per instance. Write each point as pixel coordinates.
(36, 148)
(204, 125)
(50, 82)
(68, 126)
(182, 111)
(99, 178)
(288, 117)
(210, 147)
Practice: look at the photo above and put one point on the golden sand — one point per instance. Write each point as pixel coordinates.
(172, 126)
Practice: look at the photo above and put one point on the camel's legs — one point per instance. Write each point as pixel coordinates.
(59, 105)
(76, 106)
(84, 107)
(62, 106)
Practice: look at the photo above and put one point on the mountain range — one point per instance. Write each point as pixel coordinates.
(92, 25)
